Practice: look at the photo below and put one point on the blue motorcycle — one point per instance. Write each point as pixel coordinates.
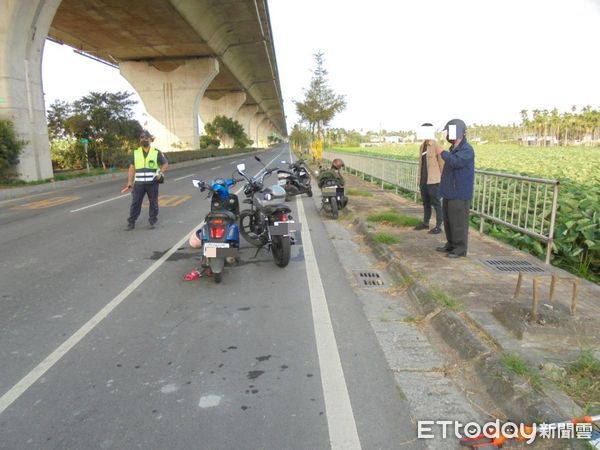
(219, 237)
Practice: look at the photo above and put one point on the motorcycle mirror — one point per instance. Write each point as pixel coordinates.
(241, 167)
(196, 183)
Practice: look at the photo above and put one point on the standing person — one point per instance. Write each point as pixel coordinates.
(456, 188)
(145, 174)
(429, 174)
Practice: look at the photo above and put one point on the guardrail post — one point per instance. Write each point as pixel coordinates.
(552, 222)
(482, 203)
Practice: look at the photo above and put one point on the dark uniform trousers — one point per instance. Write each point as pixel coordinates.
(138, 192)
(456, 224)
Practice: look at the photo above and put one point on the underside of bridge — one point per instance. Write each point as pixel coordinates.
(166, 33)
(175, 53)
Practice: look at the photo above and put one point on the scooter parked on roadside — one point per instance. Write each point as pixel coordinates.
(268, 221)
(218, 238)
(333, 198)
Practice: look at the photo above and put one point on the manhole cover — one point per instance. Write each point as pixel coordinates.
(369, 278)
(512, 266)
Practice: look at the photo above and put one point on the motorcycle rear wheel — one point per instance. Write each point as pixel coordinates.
(334, 207)
(281, 250)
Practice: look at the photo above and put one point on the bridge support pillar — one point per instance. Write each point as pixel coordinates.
(172, 99)
(245, 115)
(228, 105)
(254, 127)
(23, 30)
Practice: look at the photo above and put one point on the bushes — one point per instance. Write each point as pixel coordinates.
(10, 148)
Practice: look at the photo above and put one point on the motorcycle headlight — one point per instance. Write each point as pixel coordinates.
(268, 197)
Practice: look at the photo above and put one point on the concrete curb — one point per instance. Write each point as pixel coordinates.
(10, 193)
(513, 394)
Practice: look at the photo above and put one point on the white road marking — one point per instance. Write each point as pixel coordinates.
(100, 203)
(215, 168)
(343, 434)
(185, 176)
(37, 372)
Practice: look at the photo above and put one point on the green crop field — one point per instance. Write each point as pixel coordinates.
(577, 235)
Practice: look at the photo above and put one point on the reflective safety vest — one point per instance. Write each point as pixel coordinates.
(146, 164)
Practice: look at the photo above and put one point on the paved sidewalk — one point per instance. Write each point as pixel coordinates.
(488, 322)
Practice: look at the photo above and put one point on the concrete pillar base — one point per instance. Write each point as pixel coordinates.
(23, 30)
(172, 99)
(228, 105)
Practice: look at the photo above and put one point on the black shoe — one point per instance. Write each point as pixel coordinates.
(435, 230)
(130, 226)
(151, 226)
(422, 226)
(456, 255)
(443, 249)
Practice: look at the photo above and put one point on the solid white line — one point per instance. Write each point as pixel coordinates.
(215, 168)
(26, 382)
(343, 434)
(185, 176)
(99, 203)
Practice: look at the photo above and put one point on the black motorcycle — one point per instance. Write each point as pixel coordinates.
(295, 180)
(333, 198)
(268, 221)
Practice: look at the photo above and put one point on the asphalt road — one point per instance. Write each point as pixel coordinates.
(103, 345)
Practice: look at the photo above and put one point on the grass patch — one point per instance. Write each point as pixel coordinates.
(359, 193)
(443, 299)
(386, 238)
(401, 393)
(394, 218)
(582, 381)
(413, 319)
(516, 365)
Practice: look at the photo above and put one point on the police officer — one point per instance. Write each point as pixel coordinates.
(145, 174)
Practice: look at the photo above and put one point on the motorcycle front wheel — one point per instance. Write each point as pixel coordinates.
(281, 250)
(248, 228)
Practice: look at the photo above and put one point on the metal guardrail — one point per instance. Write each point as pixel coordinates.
(523, 204)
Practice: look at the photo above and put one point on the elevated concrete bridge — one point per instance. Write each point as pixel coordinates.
(185, 58)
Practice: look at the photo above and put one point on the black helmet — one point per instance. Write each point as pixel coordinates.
(145, 134)
(459, 126)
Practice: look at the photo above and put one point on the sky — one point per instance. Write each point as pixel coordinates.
(402, 63)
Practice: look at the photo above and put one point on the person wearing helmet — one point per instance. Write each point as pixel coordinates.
(337, 164)
(429, 173)
(456, 188)
(145, 174)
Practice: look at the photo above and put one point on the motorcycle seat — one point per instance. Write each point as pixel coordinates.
(274, 208)
(222, 214)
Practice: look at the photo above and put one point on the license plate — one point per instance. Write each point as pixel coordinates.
(284, 228)
(210, 248)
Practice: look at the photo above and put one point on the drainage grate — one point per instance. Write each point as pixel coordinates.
(512, 266)
(369, 278)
